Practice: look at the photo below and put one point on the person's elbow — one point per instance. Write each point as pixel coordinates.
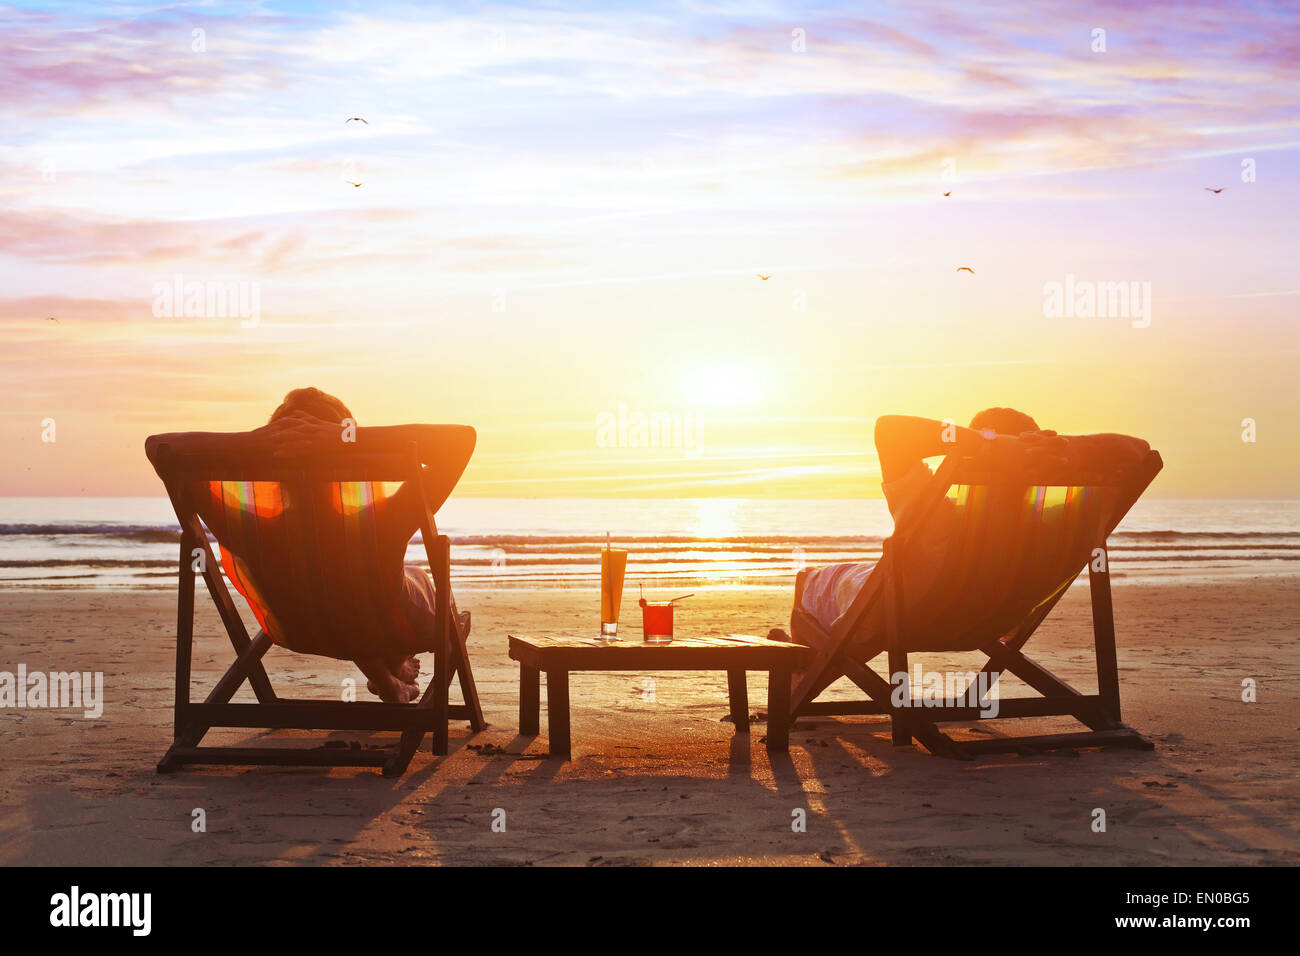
(1126, 448)
(1138, 448)
(467, 438)
(888, 428)
(1107, 450)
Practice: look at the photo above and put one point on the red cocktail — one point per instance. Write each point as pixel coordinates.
(656, 621)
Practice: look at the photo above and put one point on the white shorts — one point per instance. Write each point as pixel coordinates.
(828, 592)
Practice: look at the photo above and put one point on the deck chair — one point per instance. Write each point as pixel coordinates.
(334, 501)
(1018, 543)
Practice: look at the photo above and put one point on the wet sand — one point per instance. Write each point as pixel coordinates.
(658, 777)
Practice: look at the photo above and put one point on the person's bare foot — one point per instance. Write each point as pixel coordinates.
(393, 682)
(395, 692)
(405, 670)
(390, 687)
(388, 691)
(406, 693)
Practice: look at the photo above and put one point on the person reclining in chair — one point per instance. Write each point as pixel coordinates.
(311, 420)
(1004, 438)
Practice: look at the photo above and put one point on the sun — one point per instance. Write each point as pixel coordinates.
(721, 385)
(716, 517)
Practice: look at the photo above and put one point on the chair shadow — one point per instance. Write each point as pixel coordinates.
(1069, 784)
(729, 800)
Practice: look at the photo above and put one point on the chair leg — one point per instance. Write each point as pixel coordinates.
(401, 759)
(812, 682)
(824, 670)
(184, 636)
(1103, 629)
(452, 625)
(463, 670)
(181, 730)
(440, 681)
(1119, 737)
(169, 763)
(899, 724)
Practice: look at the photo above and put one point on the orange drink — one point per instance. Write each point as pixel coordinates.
(613, 562)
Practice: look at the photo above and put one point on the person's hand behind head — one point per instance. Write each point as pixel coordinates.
(300, 433)
(1108, 452)
(1036, 448)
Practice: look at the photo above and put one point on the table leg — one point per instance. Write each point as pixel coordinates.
(530, 700)
(557, 712)
(738, 694)
(778, 710)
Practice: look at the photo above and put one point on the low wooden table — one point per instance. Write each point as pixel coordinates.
(734, 653)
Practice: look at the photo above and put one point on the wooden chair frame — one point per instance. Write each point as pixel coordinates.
(870, 627)
(193, 720)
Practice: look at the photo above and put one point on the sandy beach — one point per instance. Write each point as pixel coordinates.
(658, 776)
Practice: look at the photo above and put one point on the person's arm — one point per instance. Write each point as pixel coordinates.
(902, 441)
(447, 449)
(301, 434)
(1106, 451)
(259, 441)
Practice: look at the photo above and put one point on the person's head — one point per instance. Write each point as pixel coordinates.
(313, 402)
(1004, 421)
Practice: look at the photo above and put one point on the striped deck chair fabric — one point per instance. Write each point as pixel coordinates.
(1013, 547)
(308, 558)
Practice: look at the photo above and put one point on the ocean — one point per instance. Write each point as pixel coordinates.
(674, 544)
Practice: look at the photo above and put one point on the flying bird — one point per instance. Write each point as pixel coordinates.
(360, 119)
(50, 318)
(948, 193)
(351, 183)
(966, 269)
(1215, 191)
(763, 277)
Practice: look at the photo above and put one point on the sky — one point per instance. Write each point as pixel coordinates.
(564, 211)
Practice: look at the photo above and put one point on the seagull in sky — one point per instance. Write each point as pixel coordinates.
(351, 183)
(1215, 191)
(763, 277)
(966, 269)
(359, 119)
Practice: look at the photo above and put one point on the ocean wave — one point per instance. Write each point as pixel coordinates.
(146, 534)
(736, 562)
(169, 534)
(88, 563)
